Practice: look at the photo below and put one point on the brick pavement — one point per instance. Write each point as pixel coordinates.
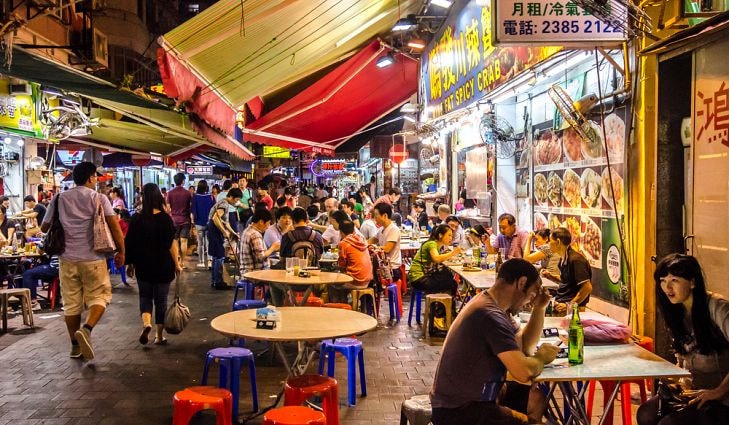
(131, 384)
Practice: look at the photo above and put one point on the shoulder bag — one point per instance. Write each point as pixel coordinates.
(54, 243)
(103, 240)
(436, 278)
(178, 314)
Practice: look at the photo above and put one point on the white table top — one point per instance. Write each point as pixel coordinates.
(297, 324)
(485, 279)
(280, 276)
(407, 245)
(612, 363)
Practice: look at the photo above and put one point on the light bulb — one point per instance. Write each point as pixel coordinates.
(20, 142)
(7, 140)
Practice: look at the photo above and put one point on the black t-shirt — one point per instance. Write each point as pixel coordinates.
(148, 243)
(41, 210)
(574, 271)
(422, 219)
(470, 353)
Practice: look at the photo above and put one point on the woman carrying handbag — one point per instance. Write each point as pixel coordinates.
(153, 257)
(426, 272)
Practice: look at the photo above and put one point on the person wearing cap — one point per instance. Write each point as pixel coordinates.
(472, 237)
(421, 217)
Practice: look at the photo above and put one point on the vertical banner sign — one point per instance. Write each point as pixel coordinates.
(711, 164)
(461, 63)
(575, 188)
(534, 22)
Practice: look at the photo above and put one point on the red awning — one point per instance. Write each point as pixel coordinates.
(335, 108)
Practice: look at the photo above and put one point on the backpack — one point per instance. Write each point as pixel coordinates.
(381, 266)
(306, 249)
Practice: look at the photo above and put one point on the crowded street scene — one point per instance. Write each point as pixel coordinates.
(364, 212)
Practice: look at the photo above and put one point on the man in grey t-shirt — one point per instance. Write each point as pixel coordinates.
(484, 343)
(83, 272)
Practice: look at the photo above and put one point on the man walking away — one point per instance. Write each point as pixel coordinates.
(83, 273)
(180, 201)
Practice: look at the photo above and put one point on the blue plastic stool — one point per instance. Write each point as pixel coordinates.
(248, 304)
(230, 360)
(416, 297)
(248, 290)
(393, 300)
(351, 348)
(113, 269)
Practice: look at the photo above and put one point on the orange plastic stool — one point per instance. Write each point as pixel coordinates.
(298, 389)
(195, 399)
(294, 415)
(609, 386)
(311, 301)
(338, 305)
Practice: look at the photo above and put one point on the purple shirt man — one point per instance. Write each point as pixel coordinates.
(180, 201)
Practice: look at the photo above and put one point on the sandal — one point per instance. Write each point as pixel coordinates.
(144, 337)
(160, 341)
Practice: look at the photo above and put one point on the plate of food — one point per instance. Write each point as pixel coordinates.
(571, 188)
(572, 143)
(592, 146)
(540, 188)
(615, 130)
(471, 269)
(590, 185)
(548, 149)
(554, 189)
(617, 186)
(592, 241)
(572, 224)
(540, 221)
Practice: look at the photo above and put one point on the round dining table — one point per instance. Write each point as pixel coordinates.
(289, 280)
(297, 324)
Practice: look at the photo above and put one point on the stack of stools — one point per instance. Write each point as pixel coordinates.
(195, 399)
(609, 386)
(25, 305)
(446, 300)
(416, 411)
(357, 295)
(230, 360)
(294, 415)
(351, 349)
(393, 300)
(248, 289)
(416, 297)
(299, 389)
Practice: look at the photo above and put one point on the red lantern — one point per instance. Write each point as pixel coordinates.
(398, 153)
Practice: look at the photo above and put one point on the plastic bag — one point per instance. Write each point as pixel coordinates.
(178, 314)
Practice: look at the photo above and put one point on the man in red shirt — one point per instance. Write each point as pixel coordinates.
(392, 197)
(180, 201)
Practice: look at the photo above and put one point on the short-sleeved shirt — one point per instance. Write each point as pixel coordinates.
(550, 261)
(76, 213)
(391, 233)
(369, 229)
(422, 260)
(41, 210)
(220, 205)
(331, 235)
(469, 356)
(252, 249)
(574, 271)
(273, 234)
(180, 200)
(514, 245)
(247, 196)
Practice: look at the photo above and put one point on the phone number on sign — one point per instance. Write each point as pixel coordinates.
(574, 27)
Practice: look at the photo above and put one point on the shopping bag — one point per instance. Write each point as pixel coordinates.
(103, 240)
(177, 314)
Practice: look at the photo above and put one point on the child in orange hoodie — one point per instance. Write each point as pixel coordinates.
(354, 260)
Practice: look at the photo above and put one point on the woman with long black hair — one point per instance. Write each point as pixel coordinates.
(698, 323)
(153, 256)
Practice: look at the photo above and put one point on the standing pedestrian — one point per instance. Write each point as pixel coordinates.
(219, 229)
(83, 272)
(153, 257)
(180, 202)
(202, 202)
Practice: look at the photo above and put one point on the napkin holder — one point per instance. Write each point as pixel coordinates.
(267, 318)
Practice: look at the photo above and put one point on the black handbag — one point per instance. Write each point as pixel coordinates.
(54, 243)
(436, 278)
(671, 398)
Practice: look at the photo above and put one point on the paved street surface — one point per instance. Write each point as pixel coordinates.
(132, 384)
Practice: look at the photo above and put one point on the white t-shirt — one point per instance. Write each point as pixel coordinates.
(331, 236)
(391, 233)
(368, 229)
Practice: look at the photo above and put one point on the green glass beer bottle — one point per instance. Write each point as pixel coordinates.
(576, 337)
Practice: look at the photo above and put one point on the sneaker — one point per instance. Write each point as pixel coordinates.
(35, 305)
(144, 337)
(200, 265)
(83, 337)
(75, 352)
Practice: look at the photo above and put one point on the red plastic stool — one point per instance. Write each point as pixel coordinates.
(298, 389)
(294, 415)
(312, 301)
(609, 386)
(194, 399)
(338, 305)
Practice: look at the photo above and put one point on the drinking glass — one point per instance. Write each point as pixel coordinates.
(290, 261)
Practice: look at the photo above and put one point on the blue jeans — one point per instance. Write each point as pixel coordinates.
(153, 295)
(31, 276)
(217, 275)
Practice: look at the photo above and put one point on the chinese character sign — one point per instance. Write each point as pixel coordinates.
(537, 22)
(461, 64)
(712, 113)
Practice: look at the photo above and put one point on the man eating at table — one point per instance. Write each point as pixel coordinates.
(512, 239)
(484, 343)
(575, 272)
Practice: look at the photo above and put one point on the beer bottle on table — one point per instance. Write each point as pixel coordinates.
(576, 337)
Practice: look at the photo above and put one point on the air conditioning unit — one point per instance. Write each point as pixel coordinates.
(100, 49)
(19, 87)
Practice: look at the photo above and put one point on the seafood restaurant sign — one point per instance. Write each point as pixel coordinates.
(462, 64)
